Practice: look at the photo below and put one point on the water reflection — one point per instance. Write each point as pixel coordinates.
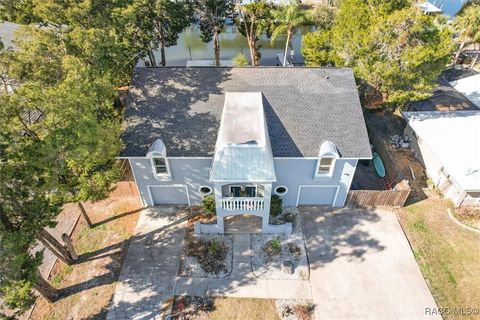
(191, 47)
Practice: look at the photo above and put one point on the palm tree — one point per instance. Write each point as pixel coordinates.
(288, 18)
(467, 23)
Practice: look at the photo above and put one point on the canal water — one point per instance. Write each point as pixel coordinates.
(232, 42)
(191, 47)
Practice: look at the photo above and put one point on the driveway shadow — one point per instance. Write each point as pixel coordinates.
(332, 233)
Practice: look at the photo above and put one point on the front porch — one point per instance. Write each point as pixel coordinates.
(240, 204)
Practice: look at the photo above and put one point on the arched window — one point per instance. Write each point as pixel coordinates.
(158, 158)
(326, 159)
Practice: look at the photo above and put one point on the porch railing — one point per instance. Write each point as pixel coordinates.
(243, 204)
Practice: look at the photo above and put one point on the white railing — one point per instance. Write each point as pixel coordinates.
(243, 204)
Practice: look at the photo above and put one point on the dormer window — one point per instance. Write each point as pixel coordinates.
(158, 159)
(160, 165)
(326, 159)
(325, 166)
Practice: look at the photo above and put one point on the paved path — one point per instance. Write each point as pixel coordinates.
(147, 281)
(361, 266)
(242, 283)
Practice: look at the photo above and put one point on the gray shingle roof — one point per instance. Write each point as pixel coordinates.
(303, 106)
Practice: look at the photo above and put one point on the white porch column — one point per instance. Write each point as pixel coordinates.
(267, 195)
(217, 189)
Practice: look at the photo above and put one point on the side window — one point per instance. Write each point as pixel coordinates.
(160, 166)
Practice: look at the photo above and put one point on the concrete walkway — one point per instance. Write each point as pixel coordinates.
(148, 278)
(362, 267)
(242, 283)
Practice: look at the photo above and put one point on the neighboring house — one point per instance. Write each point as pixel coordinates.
(453, 93)
(448, 146)
(243, 135)
(469, 87)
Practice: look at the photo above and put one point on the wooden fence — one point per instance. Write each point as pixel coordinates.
(377, 198)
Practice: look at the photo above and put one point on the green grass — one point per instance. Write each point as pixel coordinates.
(447, 255)
(91, 239)
(60, 276)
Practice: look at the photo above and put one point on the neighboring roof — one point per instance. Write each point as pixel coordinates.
(469, 87)
(427, 7)
(243, 141)
(7, 34)
(454, 138)
(444, 96)
(303, 107)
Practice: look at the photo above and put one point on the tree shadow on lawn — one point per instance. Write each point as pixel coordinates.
(118, 216)
(332, 233)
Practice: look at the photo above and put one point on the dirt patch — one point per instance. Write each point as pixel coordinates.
(87, 287)
(199, 308)
(469, 216)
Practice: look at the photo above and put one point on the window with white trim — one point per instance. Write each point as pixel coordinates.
(160, 166)
(325, 166)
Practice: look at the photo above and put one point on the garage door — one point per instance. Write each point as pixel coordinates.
(311, 195)
(169, 195)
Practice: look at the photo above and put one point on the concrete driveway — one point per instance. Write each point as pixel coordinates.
(362, 267)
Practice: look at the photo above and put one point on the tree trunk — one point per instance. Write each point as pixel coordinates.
(216, 48)
(162, 52)
(286, 48)
(151, 57)
(45, 289)
(474, 62)
(85, 215)
(55, 247)
(69, 246)
(250, 39)
(457, 55)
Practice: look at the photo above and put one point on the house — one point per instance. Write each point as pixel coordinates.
(448, 146)
(455, 91)
(469, 87)
(243, 135)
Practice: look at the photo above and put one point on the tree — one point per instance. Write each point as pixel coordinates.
(212, 15)
(105, 36)
(467, 25)
(317, 49)
(170, 18)
(26, 208)
(393, 48)
(255, 21)
(18, 11)
(288, 18)
(323, 16)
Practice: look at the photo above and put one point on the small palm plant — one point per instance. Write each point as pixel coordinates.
(288, 18)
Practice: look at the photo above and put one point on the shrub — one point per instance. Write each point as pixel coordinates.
(273, 247)
(276, 206)
(208, 205)
(213, 247)
(240, 60)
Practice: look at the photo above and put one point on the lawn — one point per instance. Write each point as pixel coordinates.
(448, 255)
(224, 308)
(87, 287)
